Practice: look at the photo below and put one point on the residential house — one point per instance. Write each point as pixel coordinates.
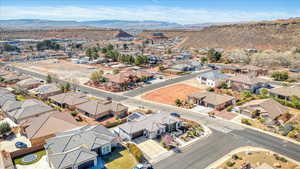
(20, 111)
(187, 66)
(212, 78)
(253, 70)
(285, 92)
(150, 126)
(47, 125)
(245, 82)
(6, 160)
(4, 97)
(28, 84)
(212, 100)
(128, 78)
(183, 56)
(100, 109)
(182, 67)
(268, 109)
(68, 100)
(4, 91)
(80, 148)
(45, 91)
(226, 68)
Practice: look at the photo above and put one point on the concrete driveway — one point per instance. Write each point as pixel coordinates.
(151, 148)
(202, 109)
(41, 164)
(9, 144)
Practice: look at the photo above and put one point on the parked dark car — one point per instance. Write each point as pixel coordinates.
(175, 114)
(20, 144)
(143, 166)
(176, 150)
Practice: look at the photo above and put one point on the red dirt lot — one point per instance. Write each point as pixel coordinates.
(168, 95)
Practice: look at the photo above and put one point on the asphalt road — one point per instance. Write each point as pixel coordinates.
(226, 135)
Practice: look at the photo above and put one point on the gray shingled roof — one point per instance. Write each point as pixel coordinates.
(287, 91)
(151, 122)
(214, 75)
(68, 146)
(5, 97)
(47, 88)
(96, 107)
(75, 156)
(27, 108)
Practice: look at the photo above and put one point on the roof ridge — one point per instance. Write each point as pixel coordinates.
(43, 123)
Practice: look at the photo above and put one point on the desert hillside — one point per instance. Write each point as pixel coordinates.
(277, 35)
(78, 33)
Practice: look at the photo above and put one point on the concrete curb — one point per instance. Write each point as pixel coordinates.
(244, 149)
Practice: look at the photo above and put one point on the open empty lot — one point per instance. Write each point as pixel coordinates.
(169, 94)
(63, 69)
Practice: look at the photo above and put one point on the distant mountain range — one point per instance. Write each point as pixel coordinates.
(113, 24)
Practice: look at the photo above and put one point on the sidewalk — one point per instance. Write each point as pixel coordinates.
(237, 120)
(243, 149)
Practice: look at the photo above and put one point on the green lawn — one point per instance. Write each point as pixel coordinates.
(39, 154)
(20, 98)
(120, 159)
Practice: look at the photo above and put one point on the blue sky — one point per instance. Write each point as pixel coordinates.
(180, 11)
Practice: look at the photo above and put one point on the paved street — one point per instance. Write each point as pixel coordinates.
(226, 135)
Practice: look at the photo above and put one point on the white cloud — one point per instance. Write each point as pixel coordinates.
(171, 14)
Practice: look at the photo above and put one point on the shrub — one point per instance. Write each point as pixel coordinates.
(137, 153)
(210, 89)
(230, 164)
(4, 128)
(280, 76)
(74, 113)
(261, 120)
(229, 108)
(246, 121)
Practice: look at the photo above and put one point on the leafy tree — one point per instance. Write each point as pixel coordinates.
(110, 47)
(204, 60)
(4, 128)
(104, 50)
(49, 79)
(65, 87)
(264, 92)
(1, 79)
(223, 85)
(280, 76)
(47, 44)
(161, 67)
(213, 55)
(88, 52)
(246, 94)
(138, 61)
(10, 48)
(97, 77)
